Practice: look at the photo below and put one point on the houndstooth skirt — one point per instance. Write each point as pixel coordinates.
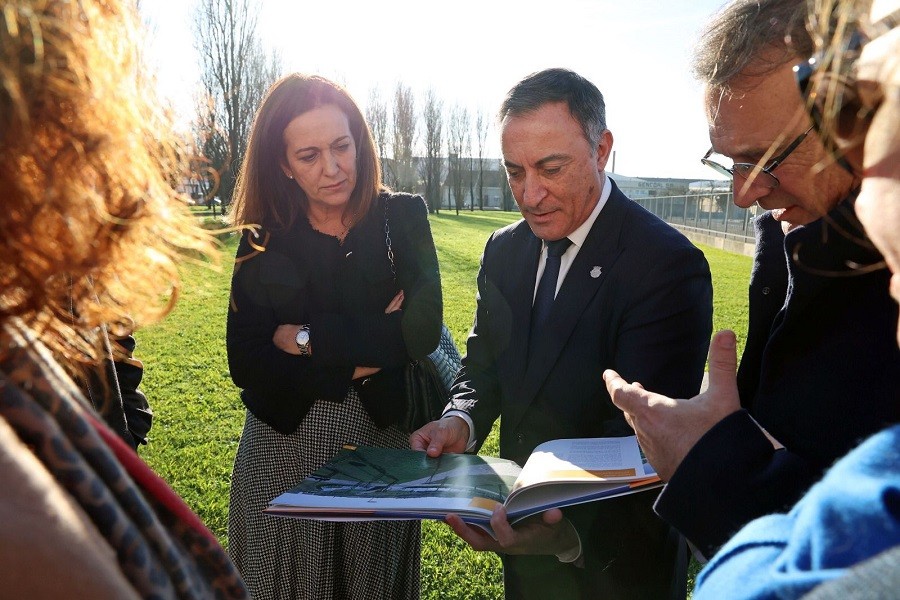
(301, 559)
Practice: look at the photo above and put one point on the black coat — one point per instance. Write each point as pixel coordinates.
(340, 291)
(115, 392)
(820, 374)
(638, 299)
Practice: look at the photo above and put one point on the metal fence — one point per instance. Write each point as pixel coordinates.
(711, 213)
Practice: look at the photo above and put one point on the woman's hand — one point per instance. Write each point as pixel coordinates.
(285, 338)
(395, 304)
(361, 372)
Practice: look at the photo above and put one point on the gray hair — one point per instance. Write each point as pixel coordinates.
(735, 41)
(584, 100)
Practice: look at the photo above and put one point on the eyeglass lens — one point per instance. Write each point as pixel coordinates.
(762, 177)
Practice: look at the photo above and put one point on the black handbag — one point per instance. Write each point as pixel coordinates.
(428, 380)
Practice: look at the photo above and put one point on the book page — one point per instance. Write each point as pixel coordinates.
(573, 471)
(539, 498)
(585, 459)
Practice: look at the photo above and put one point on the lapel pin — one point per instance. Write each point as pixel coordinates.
(596, 272)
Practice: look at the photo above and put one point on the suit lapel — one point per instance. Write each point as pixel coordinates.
(585, 277)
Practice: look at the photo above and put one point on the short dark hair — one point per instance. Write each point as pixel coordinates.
(584, 100)
(734, 41)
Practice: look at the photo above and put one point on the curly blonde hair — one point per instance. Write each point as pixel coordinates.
(832, 23)
(92, 227)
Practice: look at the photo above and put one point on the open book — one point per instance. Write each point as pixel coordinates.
(363, 483)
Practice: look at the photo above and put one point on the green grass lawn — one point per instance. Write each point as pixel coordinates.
(198, 415)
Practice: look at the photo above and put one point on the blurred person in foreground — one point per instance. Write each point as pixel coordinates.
(821, 366)
(845, 532)
(321, 324)
(629, 292)
(91, 234)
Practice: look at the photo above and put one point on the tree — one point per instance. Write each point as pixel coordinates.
(377, 116)
(235, 72)
(465, 154)
(470, 162)
(433, 119)
(482, 126)
(212, 156)
(403, 136)
(456, 146)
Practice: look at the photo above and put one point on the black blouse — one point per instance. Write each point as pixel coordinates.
(340, 290)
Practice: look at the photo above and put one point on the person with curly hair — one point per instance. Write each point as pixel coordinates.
(92, 234)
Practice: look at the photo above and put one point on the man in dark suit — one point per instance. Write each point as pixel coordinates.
(820, 369)
(630, 292)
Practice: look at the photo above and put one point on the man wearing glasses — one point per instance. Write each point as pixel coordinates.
(821, 368)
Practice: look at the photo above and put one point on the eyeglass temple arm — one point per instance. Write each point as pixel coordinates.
(780, 158)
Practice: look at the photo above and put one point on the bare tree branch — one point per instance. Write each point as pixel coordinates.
(404, 138)
(458, 126)
(433, 119)
(377, 116)
(235, 72)
(482, 127)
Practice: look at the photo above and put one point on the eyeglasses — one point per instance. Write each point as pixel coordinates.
(761, 175)
(834, 91)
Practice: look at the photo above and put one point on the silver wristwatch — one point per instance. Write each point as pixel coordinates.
(302, 340)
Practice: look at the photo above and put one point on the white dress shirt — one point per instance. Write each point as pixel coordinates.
(577, 238)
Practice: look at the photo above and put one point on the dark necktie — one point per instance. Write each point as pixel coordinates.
(546, 291)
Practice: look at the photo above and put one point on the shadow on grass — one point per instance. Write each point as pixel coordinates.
(479, 219)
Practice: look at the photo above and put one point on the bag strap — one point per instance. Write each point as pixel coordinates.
(387, 240)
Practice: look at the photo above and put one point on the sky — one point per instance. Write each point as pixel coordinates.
(471, 52)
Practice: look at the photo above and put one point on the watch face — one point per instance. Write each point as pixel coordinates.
(302, 337)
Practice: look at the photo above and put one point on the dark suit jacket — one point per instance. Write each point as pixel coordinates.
(821, 372)
(638, 298)
(768, 289)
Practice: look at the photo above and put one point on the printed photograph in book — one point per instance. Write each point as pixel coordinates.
(364, 472)
(363, 483)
